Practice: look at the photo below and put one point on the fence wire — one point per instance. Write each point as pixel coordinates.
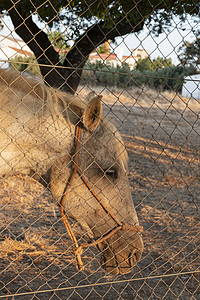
(149, 110)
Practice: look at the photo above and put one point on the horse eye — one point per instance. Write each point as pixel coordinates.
(111, 173)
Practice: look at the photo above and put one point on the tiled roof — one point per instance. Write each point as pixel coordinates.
(106, 56)
(10, 38)
(21, 51)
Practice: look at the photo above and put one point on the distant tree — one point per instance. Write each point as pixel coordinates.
(161, 62)
(190, 53)
(168, 78)
(144, 64)
(89, 24)
(156, 63)
(104, 48)
(57, 39)
(25, 64)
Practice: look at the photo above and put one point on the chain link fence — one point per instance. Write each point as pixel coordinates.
(151, 107)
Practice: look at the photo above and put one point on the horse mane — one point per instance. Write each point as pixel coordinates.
(27, 85)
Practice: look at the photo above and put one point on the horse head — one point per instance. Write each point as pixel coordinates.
(99, 196)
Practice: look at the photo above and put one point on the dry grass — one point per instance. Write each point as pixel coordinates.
(144, 97)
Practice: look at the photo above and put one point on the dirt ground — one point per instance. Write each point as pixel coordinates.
(162, 134)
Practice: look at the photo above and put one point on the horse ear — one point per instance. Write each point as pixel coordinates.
(92, 114)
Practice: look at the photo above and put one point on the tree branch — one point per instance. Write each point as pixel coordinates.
(91, 39)
(52, 71)
(38, 42)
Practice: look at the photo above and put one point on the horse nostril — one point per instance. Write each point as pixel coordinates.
(131, 259)
(138, 255)
(134, 257)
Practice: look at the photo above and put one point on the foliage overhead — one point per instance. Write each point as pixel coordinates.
(108, 11)
(58, 39)
(88, 24)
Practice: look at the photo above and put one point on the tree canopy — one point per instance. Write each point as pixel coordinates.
(155, 64)
(88, 24)
(190, 52)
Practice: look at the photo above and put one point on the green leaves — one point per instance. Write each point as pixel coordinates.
(190, 52)
(83, 13)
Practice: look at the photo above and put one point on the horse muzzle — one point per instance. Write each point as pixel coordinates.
(119, 254)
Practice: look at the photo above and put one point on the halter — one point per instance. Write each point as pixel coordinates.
(78, 249)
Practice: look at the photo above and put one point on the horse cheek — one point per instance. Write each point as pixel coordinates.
(58, 180)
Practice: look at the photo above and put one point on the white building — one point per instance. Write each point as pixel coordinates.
(10, 47)
(118, 59)
(191, 86)
(135, 56)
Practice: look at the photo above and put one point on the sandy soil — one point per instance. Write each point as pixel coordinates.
(162, 136)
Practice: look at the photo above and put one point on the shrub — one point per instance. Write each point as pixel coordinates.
(169, 78)
(27, 64)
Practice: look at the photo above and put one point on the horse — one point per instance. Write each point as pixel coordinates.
(44, 130)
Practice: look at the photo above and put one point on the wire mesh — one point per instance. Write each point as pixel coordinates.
(160, 131)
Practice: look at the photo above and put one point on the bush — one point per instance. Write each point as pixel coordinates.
(169, 78)
(27, 64)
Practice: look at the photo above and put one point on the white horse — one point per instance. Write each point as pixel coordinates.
(37, 135)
